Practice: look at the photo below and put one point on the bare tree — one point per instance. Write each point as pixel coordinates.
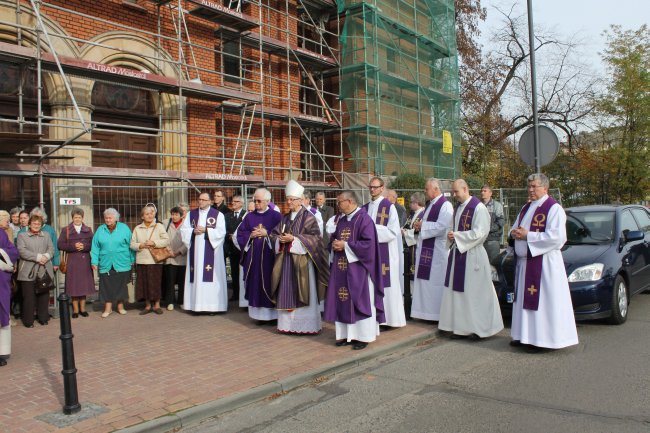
(497, 95)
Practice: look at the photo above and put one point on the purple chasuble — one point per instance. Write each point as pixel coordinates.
(348, 296)
(428, 245)
(208, 251)
(460, 259)
(258, 260)
(383, 215)
(533, 277)
(5, 278)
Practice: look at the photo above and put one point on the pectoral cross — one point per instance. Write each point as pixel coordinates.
(426, 256)
(382, 216)
(384, 269)
(532, 290)
(465, 218)
(343, 264)
(259, 227)
(208, 267)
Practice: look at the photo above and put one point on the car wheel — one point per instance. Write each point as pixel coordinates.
(619, 301)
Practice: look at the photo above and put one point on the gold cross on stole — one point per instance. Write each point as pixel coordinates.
(427, 256)
(532, 290)
(343, 264)
(465, 218)
(345, 234)
(384, 268)
(382, 216)
(208, 267)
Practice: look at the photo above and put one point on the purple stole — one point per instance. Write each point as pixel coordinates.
(383, 212)
(313, 210)
(208, 251)
(533, 277)
(426, 255)
(460, 259)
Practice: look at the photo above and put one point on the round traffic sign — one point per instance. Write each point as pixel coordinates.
(549, 145)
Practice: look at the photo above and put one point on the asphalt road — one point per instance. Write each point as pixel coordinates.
(601, 385)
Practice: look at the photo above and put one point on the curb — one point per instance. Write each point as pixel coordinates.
(193, 415)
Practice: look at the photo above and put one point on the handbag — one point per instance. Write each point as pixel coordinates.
(159, 254)
(63, 264)
(42, 284)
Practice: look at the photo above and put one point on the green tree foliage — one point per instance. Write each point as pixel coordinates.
(626, 111)
(407, 182)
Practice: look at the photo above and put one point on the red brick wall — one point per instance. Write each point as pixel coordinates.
(203, 117)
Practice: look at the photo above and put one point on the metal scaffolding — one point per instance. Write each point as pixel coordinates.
(232, 92)
(400, 72)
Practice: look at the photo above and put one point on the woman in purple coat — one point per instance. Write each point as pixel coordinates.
(76, 240)
(8, 260)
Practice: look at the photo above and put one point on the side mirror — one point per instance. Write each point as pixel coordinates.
(634, 235)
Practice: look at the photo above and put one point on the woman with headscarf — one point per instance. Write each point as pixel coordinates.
(76, 240)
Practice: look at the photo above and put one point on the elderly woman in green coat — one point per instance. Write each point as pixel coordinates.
(112, 257)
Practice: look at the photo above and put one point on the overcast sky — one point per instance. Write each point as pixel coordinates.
(587, 18)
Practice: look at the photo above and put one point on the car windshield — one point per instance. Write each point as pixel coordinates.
(590, 228)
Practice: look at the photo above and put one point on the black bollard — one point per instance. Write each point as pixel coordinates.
(69, 371)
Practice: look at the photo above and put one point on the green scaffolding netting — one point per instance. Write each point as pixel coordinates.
(399, 85)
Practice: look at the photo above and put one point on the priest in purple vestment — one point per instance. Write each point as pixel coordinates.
(355, 294)
(8, 259)
(300, 272)
(258, 256)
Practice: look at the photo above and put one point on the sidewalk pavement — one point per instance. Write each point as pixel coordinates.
(155, 373)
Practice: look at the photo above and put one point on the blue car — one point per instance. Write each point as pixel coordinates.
(607, 261)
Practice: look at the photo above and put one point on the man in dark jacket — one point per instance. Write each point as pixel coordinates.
(233, 219)
(326, 212)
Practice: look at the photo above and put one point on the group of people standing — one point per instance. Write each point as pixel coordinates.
(450, 250)
(312, 263)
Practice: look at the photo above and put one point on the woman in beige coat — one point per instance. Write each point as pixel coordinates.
(145, 236)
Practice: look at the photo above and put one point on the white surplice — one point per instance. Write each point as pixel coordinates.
(303, 320)
(475, 310)
(427, 294)
(205, 296)
(392, 235)
(365, 330)
(553, 324)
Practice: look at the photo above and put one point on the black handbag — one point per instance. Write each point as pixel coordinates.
(42, 284)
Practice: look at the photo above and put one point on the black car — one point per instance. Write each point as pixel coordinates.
(607, 260)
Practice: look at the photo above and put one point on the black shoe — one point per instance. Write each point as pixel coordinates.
(83, 314)
(473, 337)
(458, 337)
(75, 315)
(28, 326)
(3, 362)
(359, 345)
(341, 343)
(516, 343)
(43, 322)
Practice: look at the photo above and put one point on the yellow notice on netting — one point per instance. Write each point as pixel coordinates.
(446, 142)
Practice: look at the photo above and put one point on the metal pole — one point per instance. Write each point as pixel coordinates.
(69, 371)
(533, 83)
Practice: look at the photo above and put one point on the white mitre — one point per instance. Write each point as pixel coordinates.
(294, 189)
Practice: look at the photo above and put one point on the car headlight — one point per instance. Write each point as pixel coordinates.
(591, 272)
(495, 274)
